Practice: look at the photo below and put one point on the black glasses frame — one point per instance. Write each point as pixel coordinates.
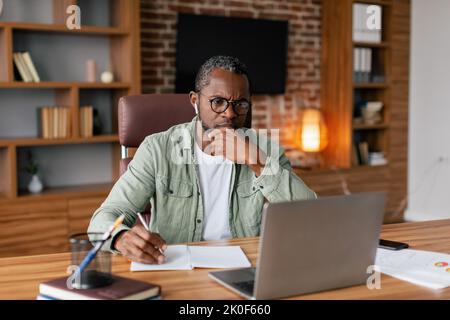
(232, 102)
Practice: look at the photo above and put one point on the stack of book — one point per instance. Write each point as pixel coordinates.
(363, 28)
(54, 122)
(362, 156)
(377, 159)
(25, 67)
(121, 289)
(362, 65)
(367, 112)
(86, 121)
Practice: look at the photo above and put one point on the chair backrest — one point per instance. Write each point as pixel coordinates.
(142, 115)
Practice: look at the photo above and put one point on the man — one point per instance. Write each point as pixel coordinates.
(219, 192)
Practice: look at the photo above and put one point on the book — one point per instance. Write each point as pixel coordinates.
(47, 298)
(54, 122)
(377, 159)
(121, 289)
(355, 156)
(362, 64)
(183, 257)
(30, 66)
(364, 152)
(86, 121)
(25, 67)
(21, 67)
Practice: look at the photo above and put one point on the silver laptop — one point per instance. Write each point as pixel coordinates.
(310, 246)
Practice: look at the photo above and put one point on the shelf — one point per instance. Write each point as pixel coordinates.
(29, 142)
(369, 85)
(382, 44)
(61, 28)
(335, 171)
(369, 167)
(379, 126)
(63, 85)
(379, 2)
(72, 191)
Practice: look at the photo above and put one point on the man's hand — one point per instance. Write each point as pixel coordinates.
(140, 245)
(235, 147)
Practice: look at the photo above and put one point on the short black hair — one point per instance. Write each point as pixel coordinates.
(228, 63)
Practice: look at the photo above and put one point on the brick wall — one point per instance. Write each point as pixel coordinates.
(158, 23)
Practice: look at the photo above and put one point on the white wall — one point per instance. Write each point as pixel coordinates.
(429, 124)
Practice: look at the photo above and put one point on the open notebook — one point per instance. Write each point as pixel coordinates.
(183, 257)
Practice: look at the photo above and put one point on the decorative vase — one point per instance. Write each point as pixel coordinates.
(91, 71)
(35, 185)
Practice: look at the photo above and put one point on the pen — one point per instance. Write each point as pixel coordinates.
(147, 228)
(143, 221)
(93, 252)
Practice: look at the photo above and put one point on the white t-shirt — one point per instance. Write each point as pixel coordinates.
(215, 178)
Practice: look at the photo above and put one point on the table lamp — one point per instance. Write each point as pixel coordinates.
(312, 136)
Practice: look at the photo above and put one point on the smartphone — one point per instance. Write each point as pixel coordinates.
(392, 245)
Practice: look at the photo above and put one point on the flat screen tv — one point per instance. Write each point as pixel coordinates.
(260, 44)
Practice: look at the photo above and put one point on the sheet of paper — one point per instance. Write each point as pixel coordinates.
(425, 268)
(177, 258)
(218, 257)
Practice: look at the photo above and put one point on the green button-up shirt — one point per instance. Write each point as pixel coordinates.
(164, 171)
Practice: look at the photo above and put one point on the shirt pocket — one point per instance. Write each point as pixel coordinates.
(174, 203)
(251, 202)
(174, 187)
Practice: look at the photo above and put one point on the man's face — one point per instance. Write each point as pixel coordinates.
(222, 84)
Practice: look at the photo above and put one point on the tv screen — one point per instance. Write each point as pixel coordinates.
(260, 44)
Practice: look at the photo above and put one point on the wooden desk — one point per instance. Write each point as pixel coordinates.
(20, 276)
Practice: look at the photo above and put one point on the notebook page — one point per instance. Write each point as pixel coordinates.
(218, 257)
(177, 258)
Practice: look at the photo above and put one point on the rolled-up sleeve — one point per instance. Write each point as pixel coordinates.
(129, 195)
(278, 183)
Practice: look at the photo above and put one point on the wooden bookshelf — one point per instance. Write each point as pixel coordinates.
(68, 203)
(339, 90)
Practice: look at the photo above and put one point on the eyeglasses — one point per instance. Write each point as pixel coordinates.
(220, 105)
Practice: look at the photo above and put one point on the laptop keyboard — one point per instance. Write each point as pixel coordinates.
(245, 286)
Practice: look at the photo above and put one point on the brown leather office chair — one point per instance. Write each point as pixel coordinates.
(142, 115)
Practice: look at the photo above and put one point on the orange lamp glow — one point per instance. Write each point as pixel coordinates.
(312, 133)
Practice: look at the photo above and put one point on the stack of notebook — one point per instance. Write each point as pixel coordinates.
(120, 289)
